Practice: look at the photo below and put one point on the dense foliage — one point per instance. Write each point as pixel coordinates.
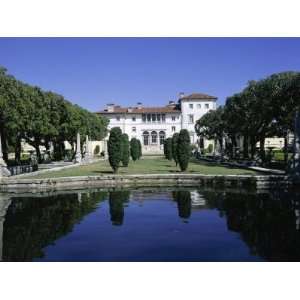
(174, 147)
(125, 150)
(114, 148)
(40, 118)
(183, 149)
(134, 149)
(168, 148)
(265, 108)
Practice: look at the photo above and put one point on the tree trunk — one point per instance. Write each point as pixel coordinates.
(253, 146)
(245, 147)
(18, 150)
(262, 148)
(37, 149)
(286, 153)
(233, 143)
(4, 146)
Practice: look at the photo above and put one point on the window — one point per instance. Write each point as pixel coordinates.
(133, 129)
(133, 119)
(118, 118)
(144, 118)
(163, 118)
(153, 118)
(173, 118)
(148, 118)
(198, 105)
(191, 119)
(191, 105)
(158, 118)
(153, 137)
(206, 105)
(162, 136)
(173, 128)
(146, 138)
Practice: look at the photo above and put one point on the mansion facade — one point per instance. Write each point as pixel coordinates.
(152, 125)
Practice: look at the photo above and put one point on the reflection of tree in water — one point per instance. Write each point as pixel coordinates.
(116, 207)
(33, 223)
(267, 223)
(183, 199)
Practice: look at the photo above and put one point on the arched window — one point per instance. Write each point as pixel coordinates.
(154, 137)
(146, 138)
(162, 137)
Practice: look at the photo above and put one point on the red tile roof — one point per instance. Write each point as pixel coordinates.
(197, 96)
(142, 110)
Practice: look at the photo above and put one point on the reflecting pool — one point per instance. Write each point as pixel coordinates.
(146, 225)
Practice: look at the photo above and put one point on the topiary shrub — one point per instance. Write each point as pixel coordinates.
(140, 149)
(114, 148)
(168, 149)
(125, 150)
(174, 147)
(183, 149)
(134, 149)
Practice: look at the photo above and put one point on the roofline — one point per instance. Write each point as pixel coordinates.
(208, 98)
(134, 113)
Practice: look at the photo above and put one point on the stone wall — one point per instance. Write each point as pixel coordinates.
(16, 185)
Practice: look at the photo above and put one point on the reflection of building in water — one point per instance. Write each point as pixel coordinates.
(197, 200)
(4, 204)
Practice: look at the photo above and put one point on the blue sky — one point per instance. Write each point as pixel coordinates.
(94, 71)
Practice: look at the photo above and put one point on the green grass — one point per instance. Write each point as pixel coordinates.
(146, 166)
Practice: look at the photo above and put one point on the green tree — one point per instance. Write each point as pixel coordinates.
(211, 126)
(174, 146)
(134, 149)
(183, 149)
(114, 148)
(125, 150)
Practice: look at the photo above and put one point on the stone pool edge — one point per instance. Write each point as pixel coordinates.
(18, 185)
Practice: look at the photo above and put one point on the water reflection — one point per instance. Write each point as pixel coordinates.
(184, 204)
(116, 206)
(33, 223)
(267, 224)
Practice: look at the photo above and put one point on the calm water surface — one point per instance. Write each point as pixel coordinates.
(143, 225)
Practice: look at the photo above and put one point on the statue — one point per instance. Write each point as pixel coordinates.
(87, 153)
(78, 156)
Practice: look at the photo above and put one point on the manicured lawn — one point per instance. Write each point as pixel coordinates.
(145, 166)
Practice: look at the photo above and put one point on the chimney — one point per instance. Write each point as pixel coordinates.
(139, 105)
(181, 95)
(110, 107)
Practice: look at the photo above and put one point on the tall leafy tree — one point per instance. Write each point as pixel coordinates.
(211, 126)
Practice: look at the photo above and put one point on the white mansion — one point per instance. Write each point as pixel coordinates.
(152, 125)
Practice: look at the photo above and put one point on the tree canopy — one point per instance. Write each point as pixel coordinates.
(264, 108)
(40, 117)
